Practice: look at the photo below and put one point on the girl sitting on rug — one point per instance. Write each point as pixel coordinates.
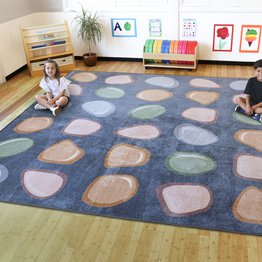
(56, 92)
(252, 104)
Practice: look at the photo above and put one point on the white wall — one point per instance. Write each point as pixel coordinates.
(141, 10)
(11, 45)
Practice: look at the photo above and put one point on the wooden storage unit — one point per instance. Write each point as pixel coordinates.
(48, 41)
(171, 58)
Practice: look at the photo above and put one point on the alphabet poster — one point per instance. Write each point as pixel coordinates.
(155, 27)
(123, 27)
(189, 28)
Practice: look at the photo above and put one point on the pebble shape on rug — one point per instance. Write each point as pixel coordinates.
(3, 173)
(42, 184)
(34, 124)
(178, 200)
(84, 77)
(246, 119)
(139, 132)
(203, 97)
(63, 152)
(238, 85)
(162, 81)
(118, 80)
(110, 190)
(252, 138)
(14, 146)
(154, 95)
(203, 115)
(248, 166)
(81, 127)
(75, 90)
(187, 163)
(194, 135)
(247, 207)
(125, 155)
(110, 92)
(147, 111)
(99, 108)
(205, 83)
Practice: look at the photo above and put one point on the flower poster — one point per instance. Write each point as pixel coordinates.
(223, 37)
(250, 38)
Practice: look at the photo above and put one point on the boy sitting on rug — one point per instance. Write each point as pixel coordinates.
(252, 104)
(57, 94)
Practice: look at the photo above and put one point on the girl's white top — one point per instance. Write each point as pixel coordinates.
(54, 86)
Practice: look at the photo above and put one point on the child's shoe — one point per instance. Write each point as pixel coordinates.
(257, 117)
(55, 110)
(239, 110)
(39, 107)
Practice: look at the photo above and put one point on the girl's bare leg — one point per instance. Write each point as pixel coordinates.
(42, 100)
(62, 101)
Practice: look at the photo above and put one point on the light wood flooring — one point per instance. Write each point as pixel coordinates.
(36, 234)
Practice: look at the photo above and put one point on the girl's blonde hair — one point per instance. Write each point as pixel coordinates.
(57, 70)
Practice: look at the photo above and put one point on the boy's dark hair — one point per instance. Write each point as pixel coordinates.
(258, 63)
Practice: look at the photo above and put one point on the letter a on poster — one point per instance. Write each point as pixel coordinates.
(123, 27)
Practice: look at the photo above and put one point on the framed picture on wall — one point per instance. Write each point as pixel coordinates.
(123, 27)
(223, 37)
(250, 38)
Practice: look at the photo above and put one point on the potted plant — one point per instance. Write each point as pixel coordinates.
(90, 31)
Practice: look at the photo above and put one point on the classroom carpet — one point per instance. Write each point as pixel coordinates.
(156, 148)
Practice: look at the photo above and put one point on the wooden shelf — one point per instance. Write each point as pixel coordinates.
(48, 41)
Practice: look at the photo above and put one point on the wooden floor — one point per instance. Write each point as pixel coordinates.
(35, 234)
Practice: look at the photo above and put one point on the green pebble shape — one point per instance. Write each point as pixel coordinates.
(186, 163)
(15, 146)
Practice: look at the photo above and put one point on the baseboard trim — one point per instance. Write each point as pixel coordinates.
(101, 58)
(210, 62)
(16, 72)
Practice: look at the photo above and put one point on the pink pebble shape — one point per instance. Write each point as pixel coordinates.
(118, 79)
(75, 90)
(139, 132)
(42, 183)
(81, 127)
(179, 200)
(84, 77)
(248, 166)
(203, 115)
(200, 82)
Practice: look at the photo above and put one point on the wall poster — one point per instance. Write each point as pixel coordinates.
(189, 28)
(223, 37)
(250, 38)
(155, 27)
(123, 27)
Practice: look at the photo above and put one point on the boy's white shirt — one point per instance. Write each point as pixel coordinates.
(52, 86)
